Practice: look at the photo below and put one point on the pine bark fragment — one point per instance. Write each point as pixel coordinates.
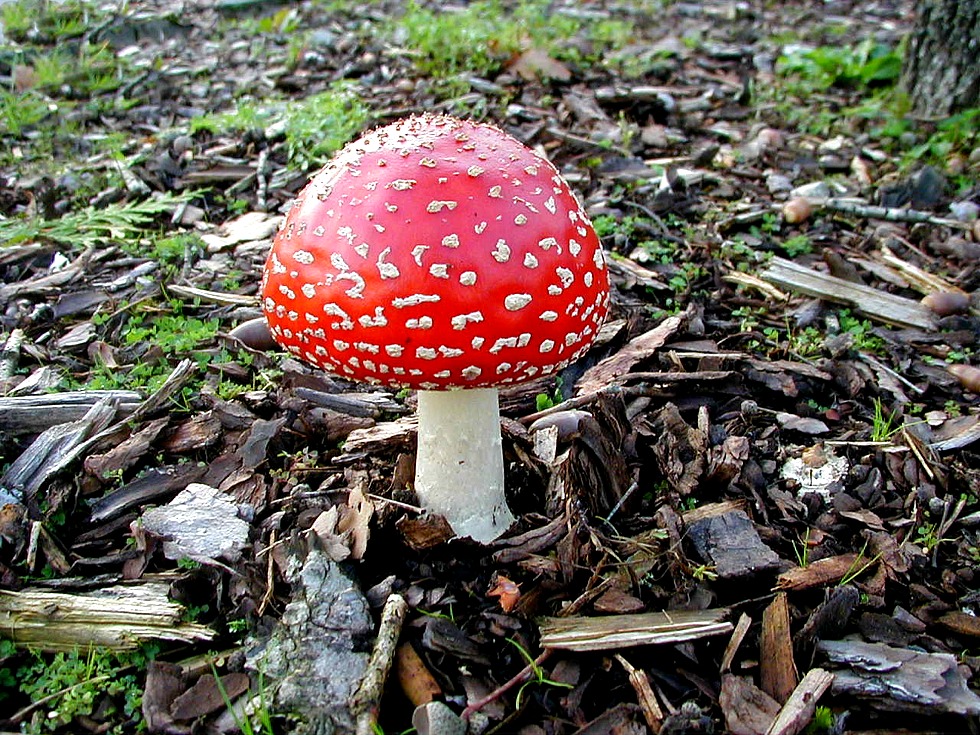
(776, 666)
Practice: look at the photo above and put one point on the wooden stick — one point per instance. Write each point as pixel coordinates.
(644, 695)
(802, 703)
(519, 678)
(741, 628)
(891, 214)
(367, 699)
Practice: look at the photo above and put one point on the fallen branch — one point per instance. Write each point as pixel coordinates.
(891, 214)
(640, 682)
(367, 699)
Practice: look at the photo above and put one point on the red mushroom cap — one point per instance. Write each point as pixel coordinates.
(436, 253)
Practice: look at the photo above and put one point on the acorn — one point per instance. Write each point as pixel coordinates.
(968, 375)
(947, 303)
(797, 210)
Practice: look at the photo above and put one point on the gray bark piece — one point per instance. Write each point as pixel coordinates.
(35, 413)
(50, 453)
(900, 679)
(319, 652)
(729, 541)
(202, 523)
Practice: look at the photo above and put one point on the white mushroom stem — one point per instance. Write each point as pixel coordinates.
(459, 467)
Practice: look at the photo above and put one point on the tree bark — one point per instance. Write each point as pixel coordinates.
(942, 62)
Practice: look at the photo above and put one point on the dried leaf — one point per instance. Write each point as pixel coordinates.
(538, 64)
(509, 593)
(207, 696)
(355, 519)
(617, 602)
(248, 227)
(333, 542)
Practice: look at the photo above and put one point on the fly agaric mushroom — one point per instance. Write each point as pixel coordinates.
(446, 256)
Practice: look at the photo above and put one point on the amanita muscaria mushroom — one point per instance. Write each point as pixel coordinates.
(441, 255)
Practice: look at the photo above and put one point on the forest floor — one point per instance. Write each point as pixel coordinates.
(753, 507)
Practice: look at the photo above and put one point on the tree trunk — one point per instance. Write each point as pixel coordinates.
(942, 62)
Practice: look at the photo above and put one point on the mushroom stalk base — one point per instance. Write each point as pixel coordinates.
(459, 469)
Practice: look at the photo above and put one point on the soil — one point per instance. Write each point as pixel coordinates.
(772, 441)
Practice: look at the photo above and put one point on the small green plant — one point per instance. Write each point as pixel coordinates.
(538, 676)
(480, 38)
(927, 536)
(48, 22)
(861, 331)
(483, 36)
(450, 615)
(170, 252)
(702, 572)
(247, 115)
(92, 226)
(860, 565)
(801, 550)
(867, 64)
(959, 132)
(822, 723)
(90, 70)
(476, 40)
(8, 681)
(803, 344)
(868, 70)
(607, 225)
(260, 708)
(953, 408)
(797, 245)
(748, 317)
(283, 21)
(67, 686)
(320, 124)
(544, 401)
(970, 552)
(314, 127)
(955, 356)
(20, 111)
(238, 206)
(151, 341)
(882, 426)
